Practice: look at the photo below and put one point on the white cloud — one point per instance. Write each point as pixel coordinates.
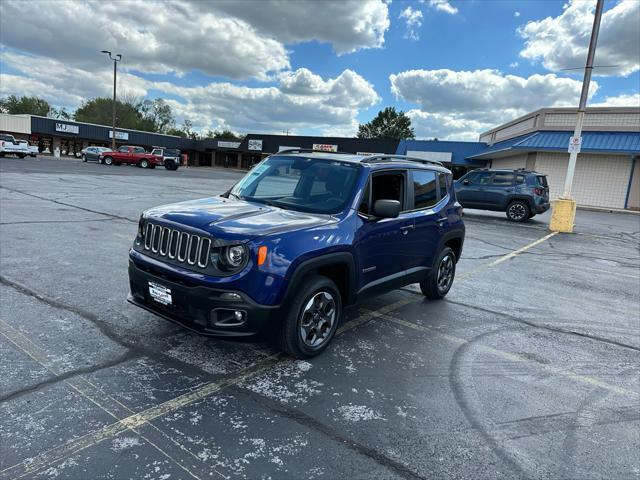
(443, 6)
(224, 39)
(462, 102)
(157, 37)
(562, 42)
(516, 14)
(514, 64)
(300, 100)
(413, 20)
(624, 100)
(349, 25)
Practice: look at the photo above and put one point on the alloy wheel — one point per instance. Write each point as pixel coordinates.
(445, 273)
(517, 211)
(317, 319)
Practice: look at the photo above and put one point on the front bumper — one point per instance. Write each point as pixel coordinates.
(199, 308)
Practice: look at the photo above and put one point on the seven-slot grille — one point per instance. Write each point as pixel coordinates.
(176, 245)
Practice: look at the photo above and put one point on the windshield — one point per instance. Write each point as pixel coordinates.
(299, 183)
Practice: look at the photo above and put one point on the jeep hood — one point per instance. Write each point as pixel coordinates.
(235, 219)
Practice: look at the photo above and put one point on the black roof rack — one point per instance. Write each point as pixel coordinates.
(308, 150)
(391, 158)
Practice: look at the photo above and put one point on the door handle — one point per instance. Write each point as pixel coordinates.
(405, 229)
(441, 220)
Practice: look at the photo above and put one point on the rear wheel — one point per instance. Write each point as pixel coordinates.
(84, 158)
(169, 165)
(108, 161)
(518, 211)
(21, 155)
(312, 319)
(439, 281)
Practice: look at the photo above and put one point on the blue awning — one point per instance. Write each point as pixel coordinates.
(592, 142)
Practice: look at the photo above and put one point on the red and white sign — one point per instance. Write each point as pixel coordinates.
(325, 147)
(575, 143)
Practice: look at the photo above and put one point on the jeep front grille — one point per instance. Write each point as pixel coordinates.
(177, 245)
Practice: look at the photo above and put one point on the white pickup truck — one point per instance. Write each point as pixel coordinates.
(33, 150)
(10, 146)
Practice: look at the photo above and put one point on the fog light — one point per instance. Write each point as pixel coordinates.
(237, 315)
(230, 296)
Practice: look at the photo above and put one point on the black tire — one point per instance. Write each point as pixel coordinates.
(170, 165)
(21, 155)
(84, 158)
(290, 336)
(518, 211)
(144, 163)
(436, 286)
(108, 160)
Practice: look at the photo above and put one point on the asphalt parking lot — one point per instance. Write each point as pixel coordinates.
(529, 369)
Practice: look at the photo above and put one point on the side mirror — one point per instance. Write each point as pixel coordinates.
(386, 208)
(465, 182)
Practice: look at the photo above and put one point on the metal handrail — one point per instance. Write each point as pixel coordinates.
(391, 157)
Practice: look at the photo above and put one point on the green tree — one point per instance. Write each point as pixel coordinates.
(389, 123)
(129, 114)
(159, 112)
(21, 105)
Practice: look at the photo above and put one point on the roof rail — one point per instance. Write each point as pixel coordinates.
(391, 158)
(308, 150)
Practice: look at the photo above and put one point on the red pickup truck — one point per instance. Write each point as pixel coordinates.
(131, 155)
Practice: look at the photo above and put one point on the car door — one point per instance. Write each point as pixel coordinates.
(90, 153)
(476, 190)
(380, 244)
(429, 216)
(499, 189)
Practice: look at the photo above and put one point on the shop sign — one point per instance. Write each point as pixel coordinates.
(325, 147)
(368, 154)
(255, 144)
(67, 128)
(119, 135)
(225, 144)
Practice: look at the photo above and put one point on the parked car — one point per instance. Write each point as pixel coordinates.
(131, 155)
(10, 146)
(522, 194)
(93, 153)
(300, 236)
(31, 149)
(170, 157)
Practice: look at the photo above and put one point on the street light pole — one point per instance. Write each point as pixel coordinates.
(115, 60)
(563, 214)
(573, 157)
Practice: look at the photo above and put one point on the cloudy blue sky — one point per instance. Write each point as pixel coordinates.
(321, 67)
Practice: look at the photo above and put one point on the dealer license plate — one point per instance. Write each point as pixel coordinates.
(160, 294)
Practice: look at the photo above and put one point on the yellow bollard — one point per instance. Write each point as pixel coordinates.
(563, 215)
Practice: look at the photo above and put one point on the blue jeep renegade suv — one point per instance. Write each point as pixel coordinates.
(302, 235)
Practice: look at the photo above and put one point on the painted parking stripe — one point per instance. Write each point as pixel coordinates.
(137, 420)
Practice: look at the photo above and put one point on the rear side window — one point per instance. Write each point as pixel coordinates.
(443, 185)
(542, 180)
(124, 149)
(502, 179)
(520, 179)
(424, 189)
(139, 150)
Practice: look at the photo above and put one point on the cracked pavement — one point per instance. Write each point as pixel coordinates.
(529, 369)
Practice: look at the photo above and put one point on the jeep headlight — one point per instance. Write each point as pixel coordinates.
(233, 257)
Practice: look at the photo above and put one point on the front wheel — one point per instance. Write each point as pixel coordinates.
(84, 158)
(312, 319)
(518, 211)
(21, 155)
(144, 163)
(439, 281)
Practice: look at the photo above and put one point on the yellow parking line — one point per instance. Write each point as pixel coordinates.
(137, 420)
(585, 379)
(504, 258)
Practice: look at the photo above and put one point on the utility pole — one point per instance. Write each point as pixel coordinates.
(115, 60)
(564, 209)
